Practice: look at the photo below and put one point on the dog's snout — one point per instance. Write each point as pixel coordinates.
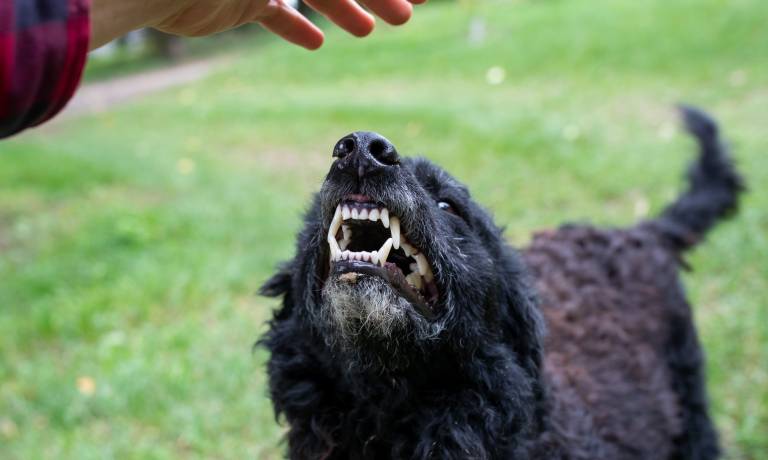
(364, 153)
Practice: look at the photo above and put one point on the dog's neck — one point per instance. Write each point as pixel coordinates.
(484, 380)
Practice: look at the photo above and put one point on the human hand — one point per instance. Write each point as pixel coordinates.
(112, 18)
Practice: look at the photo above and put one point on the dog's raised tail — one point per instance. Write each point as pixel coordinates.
(714, 186)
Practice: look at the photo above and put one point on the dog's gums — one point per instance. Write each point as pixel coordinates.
(364, 238)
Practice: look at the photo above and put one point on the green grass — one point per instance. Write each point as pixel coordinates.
(131, 243)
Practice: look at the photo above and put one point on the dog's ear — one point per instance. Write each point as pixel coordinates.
(525, 325)
(281, 284)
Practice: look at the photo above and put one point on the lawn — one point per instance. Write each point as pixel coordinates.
(132, 242)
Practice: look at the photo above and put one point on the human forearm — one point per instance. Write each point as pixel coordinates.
(111, 19)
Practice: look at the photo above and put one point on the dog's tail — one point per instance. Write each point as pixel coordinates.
(713, 191)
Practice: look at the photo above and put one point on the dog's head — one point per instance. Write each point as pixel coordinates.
(396, 262)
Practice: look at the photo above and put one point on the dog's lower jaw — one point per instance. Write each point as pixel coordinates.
(362, 306)
(371, 324)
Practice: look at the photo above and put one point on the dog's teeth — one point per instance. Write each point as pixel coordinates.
(346, 237)
(345, 255)
(414, 279)
(394, 226)
(421, 261)
(335, 250)
(414, 267)
(384, 217)
(363, 215)
(429, 276)
(408, 249)
(366, 256)
(335, 223)
(345, 213)
(373, 215)
(384, 251)
(375, 257)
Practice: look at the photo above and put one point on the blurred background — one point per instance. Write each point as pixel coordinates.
(136, 228)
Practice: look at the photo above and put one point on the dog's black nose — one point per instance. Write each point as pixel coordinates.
(364, 153)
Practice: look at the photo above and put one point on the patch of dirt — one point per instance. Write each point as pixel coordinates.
(94, 98)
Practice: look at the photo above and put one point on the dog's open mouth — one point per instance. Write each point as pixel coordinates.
(365, 239)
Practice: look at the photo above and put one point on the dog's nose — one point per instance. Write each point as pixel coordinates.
(365, 153)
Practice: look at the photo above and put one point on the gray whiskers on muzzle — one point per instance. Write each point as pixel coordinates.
(365, 306)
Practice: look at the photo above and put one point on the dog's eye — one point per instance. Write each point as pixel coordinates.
(446, 206)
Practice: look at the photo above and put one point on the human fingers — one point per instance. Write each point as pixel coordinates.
(395, 12)
(346, 14)
(286, 22)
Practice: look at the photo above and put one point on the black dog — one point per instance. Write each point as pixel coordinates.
(410, 329)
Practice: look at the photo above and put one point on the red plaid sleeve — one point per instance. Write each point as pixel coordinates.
(43, 46)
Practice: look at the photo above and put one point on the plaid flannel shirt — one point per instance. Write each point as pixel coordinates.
(43, 46)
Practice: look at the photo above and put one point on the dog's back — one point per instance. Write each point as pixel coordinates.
(622, 359)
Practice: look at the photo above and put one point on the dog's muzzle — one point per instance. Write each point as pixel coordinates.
(365, 237)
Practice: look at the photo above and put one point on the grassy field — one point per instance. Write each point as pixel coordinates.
(131, 243)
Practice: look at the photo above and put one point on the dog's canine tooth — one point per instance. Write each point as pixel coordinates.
(384, 216)
(394, 227)
(384, 251)
(334, 245)
(335, 224)
(355, 213)
(408, 249)
(421, 261)
(414, 279)
(373, 215)
(346, 237)
(429, 276)
(363, 215)
(345, 212)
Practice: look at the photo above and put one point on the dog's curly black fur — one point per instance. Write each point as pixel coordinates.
(617, 375)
